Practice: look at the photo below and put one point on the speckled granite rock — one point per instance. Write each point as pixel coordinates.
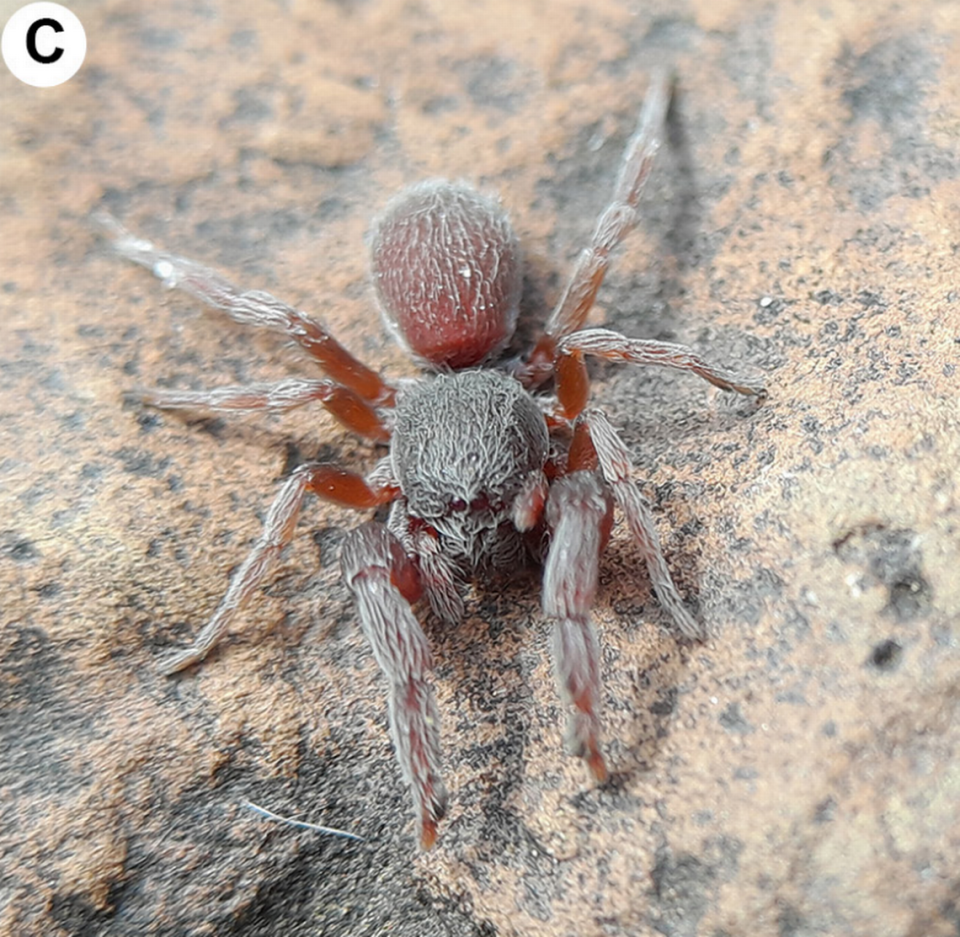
(795, 775)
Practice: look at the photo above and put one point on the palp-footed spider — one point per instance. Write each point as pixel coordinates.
(481, 473)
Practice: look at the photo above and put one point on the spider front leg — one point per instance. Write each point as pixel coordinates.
(579, 513)
(328, 482)
(348, 407)
(251, 307)
(384, 583)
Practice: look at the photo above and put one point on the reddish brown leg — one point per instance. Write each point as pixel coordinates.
(328, 482)
(251, 307)
(384, 582)
(582, 456)
(616, 347)
(528, 506)
(579, 512)
(440, 576)
(615, 222)
(615, 465)
(347, 406)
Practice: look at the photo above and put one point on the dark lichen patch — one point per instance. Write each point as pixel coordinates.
(887, 85)
(19, 549)
(34, 713)
(825, 811)
(141, 462)
(684, 885)
(733, 721)
(790, 922)
(492, 82)
(76, 914)
(327, 541)
(666, 702)
(887, 82)
(886, 655)
(892, 558)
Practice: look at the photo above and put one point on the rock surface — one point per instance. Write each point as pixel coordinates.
(797, 774)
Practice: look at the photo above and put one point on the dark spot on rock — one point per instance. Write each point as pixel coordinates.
(491, 81)
(211, 425)
(294, 457)
(666, 703)
(149, 421)
(828, 298)
(21, 550)
(825, 811)
(152, 37)
(886, 655)
(243, 39)
(141, 462)
(328, 540)
(891, 557)
(790, 922)
(887, 85)
(732, 720)
(888, 81)
(680, 886)
(440, 104)
(251, 106)
(77, 915)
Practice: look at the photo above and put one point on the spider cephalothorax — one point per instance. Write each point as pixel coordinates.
(484, 470)
(463, 446)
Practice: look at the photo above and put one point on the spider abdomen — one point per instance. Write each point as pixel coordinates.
(446, 269)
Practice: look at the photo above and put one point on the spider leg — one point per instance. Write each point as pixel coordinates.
(528, 506)
(348, 407)
(384, 582)
(324, 480)
(617, 220)
(251, 307)
(616, 347)
(579, 512)
(614, 461)
(440, 576)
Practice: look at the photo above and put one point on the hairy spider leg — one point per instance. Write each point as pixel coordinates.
(615, 466)
(251, 307)
(326, 481)
(573, 385)
(579, 513)
(529, 503)
(348, 407)
(613, 346)
(616, 221)
(384, 583)
(439, 575)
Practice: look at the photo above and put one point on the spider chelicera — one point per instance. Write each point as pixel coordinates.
(485, 471)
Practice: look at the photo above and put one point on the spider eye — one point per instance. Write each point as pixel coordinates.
(458, 504)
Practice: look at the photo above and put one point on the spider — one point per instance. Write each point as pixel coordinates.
(486, 471)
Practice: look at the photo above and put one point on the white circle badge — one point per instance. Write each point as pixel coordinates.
(43, 44)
